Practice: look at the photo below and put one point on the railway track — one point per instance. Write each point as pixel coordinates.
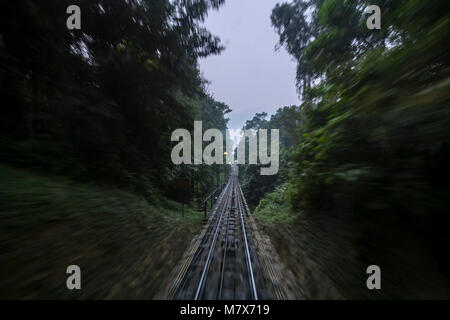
(225, 264)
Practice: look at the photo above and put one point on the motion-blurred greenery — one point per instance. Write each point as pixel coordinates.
(125, 246)
(368, 174)
(86, 120)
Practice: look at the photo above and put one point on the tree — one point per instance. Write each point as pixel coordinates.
(100, 103)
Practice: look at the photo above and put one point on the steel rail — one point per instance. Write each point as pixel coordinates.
(181, 278)
(205, 239)
(211, 249)
(222, 273)
(247, 254)
(267, 260)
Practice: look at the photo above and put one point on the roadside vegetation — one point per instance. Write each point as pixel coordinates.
(365, 156)
(86, 176)
(124, 245)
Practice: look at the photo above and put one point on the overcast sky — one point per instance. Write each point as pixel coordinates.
(249, 76)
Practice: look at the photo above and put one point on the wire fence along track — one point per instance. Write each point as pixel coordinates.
(222, 266)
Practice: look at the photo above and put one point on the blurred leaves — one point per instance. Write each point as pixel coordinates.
(104, 99)
(374, 149)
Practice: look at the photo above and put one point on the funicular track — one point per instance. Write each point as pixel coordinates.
(225, 264)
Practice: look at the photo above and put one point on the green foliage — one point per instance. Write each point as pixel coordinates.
(372, 158)
(100, 103)
(274, 207)
(287, 120)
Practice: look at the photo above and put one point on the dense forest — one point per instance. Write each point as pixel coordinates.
(364, 175)
(85, 128)
(95, 103)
